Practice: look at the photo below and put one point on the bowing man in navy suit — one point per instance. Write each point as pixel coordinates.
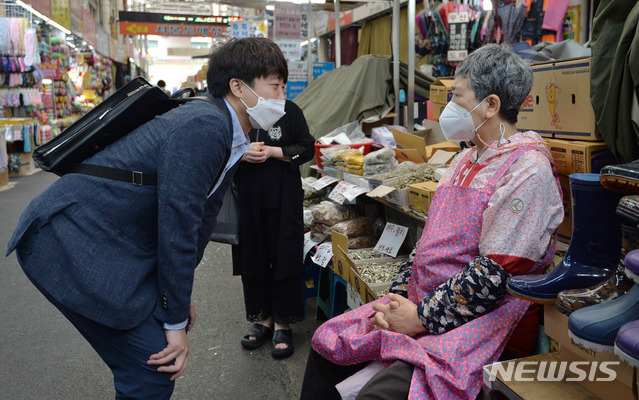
(118, 259)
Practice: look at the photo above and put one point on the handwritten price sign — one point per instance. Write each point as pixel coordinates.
(392, 239)
(323, 182)
(323, 255)
(345, 191)
(308, 244)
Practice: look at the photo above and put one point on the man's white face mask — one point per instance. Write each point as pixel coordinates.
(266, 112)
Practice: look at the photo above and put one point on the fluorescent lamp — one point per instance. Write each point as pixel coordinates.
(270, 7)
(60, 27)
(71, 45)
(47, 81)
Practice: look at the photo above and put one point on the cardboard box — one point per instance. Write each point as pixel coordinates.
(420, 195)
(564, 231)
(373, 122)
(342, 264)
(4, 177)
(383, 136)
(399, 197)
(498, 386)
(438, 109)
(368, 291)
(578, 157)
(424, 142)
(558, 105)
(556, 327)
(441, 90)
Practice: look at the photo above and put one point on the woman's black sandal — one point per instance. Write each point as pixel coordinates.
(283, 336)
(260, 333)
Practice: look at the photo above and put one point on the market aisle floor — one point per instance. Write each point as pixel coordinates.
(43, 356)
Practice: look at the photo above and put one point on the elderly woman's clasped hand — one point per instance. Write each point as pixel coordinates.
(398, 315)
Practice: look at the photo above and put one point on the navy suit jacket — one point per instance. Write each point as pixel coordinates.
(114, 252)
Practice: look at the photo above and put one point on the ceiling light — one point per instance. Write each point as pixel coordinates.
(60, 27)
(270, 7)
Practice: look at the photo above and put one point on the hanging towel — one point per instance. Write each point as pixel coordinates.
(554, 17)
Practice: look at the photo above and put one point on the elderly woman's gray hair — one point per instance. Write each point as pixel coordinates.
(496, 69)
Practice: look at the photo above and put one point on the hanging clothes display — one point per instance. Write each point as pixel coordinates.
(612, 87)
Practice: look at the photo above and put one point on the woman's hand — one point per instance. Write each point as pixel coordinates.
(398, 315)
(177, 349)
(256, 153)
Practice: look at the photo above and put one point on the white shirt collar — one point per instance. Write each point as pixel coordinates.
(239, 137)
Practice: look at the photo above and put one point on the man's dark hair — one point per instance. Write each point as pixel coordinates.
(244, 59)
(161, 84)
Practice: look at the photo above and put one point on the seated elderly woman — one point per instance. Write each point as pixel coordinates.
(493, 215)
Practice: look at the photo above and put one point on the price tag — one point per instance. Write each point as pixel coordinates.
(323, 182)
(308, 244)
(323, 255)
(337, 194)
(354, 191)
(392, 239)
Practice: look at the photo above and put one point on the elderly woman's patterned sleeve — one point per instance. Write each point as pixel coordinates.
(400, 284)
(464, 297)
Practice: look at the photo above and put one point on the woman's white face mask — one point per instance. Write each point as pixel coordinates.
(266, 112)
(457, 122)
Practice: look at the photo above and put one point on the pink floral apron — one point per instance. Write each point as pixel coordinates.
(449, 366)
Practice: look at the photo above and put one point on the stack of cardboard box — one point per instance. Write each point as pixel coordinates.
(559, 109)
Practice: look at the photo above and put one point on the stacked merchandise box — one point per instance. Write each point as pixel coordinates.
(558, 105)
(575, 157)
(4, 177)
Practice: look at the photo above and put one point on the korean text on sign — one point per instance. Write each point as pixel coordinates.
(392, 239)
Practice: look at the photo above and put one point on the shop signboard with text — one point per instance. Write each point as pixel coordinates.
(152, 28)
(61, 12)
(138, 23)
(287, 20)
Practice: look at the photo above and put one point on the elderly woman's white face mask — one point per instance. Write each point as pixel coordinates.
(457, 122)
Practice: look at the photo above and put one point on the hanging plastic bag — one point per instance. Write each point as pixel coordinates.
(227, 229)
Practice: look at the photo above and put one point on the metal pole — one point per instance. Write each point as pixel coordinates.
(309, 49)
(410, 95)
(396, 60)
(338, 37)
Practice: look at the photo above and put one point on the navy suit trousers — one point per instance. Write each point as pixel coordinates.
(124, 351)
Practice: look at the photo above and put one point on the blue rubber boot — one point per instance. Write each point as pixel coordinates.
(594, 249)
(596, 327)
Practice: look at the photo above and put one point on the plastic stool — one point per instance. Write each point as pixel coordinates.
(338, 295)
(310, 283)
